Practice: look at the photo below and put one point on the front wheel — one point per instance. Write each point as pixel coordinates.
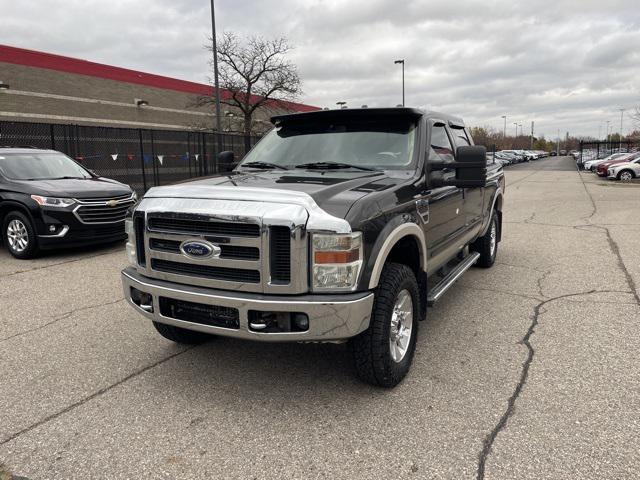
(383, 353)
(625, 176)
(19, 235)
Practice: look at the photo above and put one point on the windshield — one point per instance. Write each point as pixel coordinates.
(39, 166)
(378, 144)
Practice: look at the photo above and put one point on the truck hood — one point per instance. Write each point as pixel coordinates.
(334, 191)
(74, 187)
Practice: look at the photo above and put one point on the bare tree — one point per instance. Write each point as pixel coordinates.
(256, 75)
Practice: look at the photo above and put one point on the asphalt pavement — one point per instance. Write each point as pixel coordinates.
(525, 370)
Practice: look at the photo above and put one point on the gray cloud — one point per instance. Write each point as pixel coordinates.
(567, 65)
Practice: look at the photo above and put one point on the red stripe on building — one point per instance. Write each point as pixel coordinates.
(32, 58)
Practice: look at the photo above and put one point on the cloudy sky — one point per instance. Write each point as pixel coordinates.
(568, 65)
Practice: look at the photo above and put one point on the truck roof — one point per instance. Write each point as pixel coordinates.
(345, 113)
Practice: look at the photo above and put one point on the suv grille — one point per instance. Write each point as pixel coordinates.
(102, 213)
(206, 271)
(203, 227)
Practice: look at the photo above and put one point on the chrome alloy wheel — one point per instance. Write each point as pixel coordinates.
(401, 326)
(626, 176)
(493, 235)
(17, 236)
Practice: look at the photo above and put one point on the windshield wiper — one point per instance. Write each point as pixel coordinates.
(330, 165)
(264, 165)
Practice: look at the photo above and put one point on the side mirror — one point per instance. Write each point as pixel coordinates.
(470, 166)
(226, 161)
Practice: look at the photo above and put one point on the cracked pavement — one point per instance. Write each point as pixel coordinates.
(526, 370)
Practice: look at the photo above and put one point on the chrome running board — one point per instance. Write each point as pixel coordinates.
(438, 290)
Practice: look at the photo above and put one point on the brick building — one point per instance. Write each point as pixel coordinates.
(43, 87)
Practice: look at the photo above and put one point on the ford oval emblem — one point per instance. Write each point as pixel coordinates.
(199, 249)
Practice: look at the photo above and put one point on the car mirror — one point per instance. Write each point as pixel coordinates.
(470, 166)
(226, 161)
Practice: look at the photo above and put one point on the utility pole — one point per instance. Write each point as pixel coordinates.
(504, 132)
(531, 134)
(607, 144)
(402, 62)
(558, 145)
(621, 115)
(215, 79)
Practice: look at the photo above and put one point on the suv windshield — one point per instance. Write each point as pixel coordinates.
(376, 144)
(39, 166)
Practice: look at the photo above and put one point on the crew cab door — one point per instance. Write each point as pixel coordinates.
(474, 196)
(446, 220)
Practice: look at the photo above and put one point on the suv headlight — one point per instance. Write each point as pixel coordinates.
(131, 241)
(53, 201)
(336, 261)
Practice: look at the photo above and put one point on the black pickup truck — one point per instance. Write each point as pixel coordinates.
(338, 226)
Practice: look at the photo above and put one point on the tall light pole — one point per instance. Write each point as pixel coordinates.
(504, 132)
(558, 144)
(621, 115)
(520, 125)
(607, 144)
(215, 78)
(531, 134)
(401, 61)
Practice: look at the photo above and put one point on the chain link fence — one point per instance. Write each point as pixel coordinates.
(140, 158)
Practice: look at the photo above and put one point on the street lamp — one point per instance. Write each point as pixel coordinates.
(520, 125)
(401, 61)
(621, 115)
(504, 132)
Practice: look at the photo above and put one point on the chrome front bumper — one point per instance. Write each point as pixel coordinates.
(331, 317)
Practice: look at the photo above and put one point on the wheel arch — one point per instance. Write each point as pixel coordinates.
(403, 242)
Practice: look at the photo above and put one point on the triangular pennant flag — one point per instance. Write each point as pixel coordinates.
(160, 158)
(196, 155)
(114, 156)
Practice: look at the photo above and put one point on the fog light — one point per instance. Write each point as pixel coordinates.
(142, 299)
(301, 321)
(52, 228)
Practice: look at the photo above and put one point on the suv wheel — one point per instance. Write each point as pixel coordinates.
(19, 235)
(487, 245)
(181, 335)
(625, 175)
(383, 353)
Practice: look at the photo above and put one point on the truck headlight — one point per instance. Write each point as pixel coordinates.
(336, 261)
(131, 241)
(52, 201)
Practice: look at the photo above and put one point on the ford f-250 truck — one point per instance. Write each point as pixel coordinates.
(339, 225)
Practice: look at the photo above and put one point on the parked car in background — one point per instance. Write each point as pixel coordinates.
(624, 171)
(592, 164)
(48, 200)
(563, 153)
(603, 168)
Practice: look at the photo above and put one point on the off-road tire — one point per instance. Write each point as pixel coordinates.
(483, 244)
(370, 350)
(32, 240)
(181, 335)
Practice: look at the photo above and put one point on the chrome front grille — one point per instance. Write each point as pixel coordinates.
(253, 257)
(103, 210)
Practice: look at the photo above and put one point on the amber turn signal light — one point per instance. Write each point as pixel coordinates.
(337, 257)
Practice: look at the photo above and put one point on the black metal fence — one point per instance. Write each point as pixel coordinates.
(595, 150)
(141, 158)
